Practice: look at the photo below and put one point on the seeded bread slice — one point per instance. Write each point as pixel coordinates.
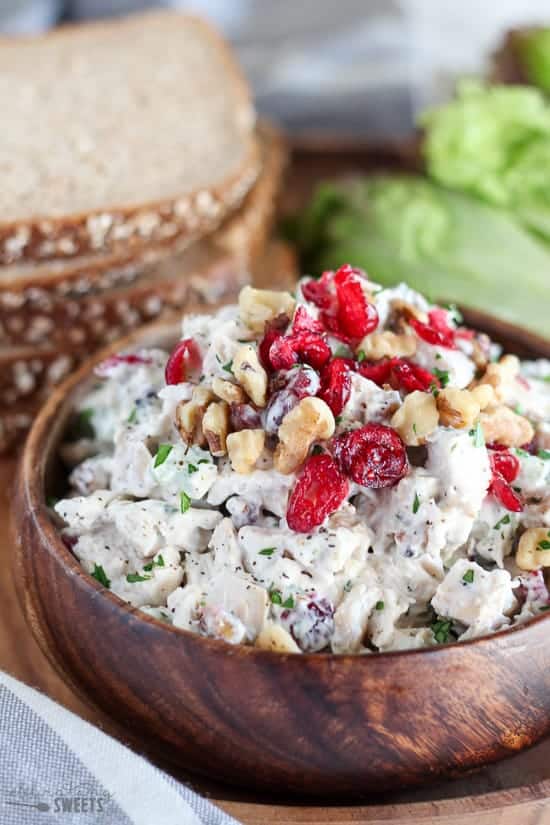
(62, 316)
(120, 134)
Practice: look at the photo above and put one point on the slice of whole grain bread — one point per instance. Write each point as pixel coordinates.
(80, 304)
(120, 134)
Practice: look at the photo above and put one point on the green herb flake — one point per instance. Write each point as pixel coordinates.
(100, 575)
(276, 597)
(522, 453)
(348, 585)
(158, 562)
(504, 520)
(443, 376)
(267, 551)
(477, 435)
(544, 454)
(228, 367)
(192, 468)
(361, 355)
(468, 576)
(544, 544)
(185, 502)
(338, 419)
(441, 630)
(379, 605)
(163, 452)
(415, 431)
(132, 578)
(317, 450)
(434, 389)
(132, 418)
(416, 504)
(455, 313)
(518, 409)
(289, 603)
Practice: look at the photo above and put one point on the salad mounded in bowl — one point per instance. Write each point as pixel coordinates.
(348, 469)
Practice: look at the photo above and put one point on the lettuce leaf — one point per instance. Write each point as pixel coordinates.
(534, 54)
(445, 244)
(494, 143)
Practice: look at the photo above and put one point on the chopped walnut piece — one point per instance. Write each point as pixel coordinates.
(503, 426)
(250, 374)
(259, 306)
(228, 391)
(215, 426)
(309, 421)
(189, 415)
(244, 449)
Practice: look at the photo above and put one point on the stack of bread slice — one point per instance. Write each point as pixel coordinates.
(136, 182)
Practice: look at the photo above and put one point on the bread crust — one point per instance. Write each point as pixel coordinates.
(133, 227)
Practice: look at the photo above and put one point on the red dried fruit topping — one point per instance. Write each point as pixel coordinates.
(404, 375)
(437, 331)
(373, 456)
(400, 374)
(105, 367)
(286, 391)
(319, 491)
(336, 384)
(356, 316)
(501, 490)
(505, 464)
(378, 371)
(304, 322)
(244, 417)
(307, 347)
(273, 330)
(184, 360)
(319, 292)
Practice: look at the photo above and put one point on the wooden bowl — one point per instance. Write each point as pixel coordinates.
(312, 724)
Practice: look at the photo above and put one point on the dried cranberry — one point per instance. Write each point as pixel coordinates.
(319, 292)
(500, 488)
(379, 371)
(286, 391)
(356, 316)
(336, 384)
(273, 330)
(304, 322)
(437, 331)
(184, 360)
(244, 417)
(505, 464)
(373, 456)
(308, 347)
(406, 376)
(319, 491)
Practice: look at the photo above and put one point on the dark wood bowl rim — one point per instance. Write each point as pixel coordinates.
(32, 477)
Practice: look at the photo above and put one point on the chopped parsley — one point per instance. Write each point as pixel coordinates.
(317, 450)
(522, 453)
(185, 502)
(228, 367)
(276, 597)
(158, 562)
(441, 630)
(504, 520)
(416, 504)
(203, 461)
(434, 389)
(468, 576)
(443, 376)
(132, 418)
(267, 551)
(100, 575)
(414, 428)
(544, 454)
(455, 313)
(361, 355)
(192, 468)
(81, 425)
(163, 452)
(132, 578)
(348, 585)
(544, 544)
(518, 409)
(338, 419)
(477, 435)
(289, 603)
(379, 605)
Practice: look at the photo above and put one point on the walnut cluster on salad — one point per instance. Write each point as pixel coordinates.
(348, 469)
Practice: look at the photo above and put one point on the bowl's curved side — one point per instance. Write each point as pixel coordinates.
(319, 725)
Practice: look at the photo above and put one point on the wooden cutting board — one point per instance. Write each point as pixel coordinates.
(515, 792)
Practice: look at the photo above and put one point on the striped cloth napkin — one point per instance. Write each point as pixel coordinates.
(56, 768)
